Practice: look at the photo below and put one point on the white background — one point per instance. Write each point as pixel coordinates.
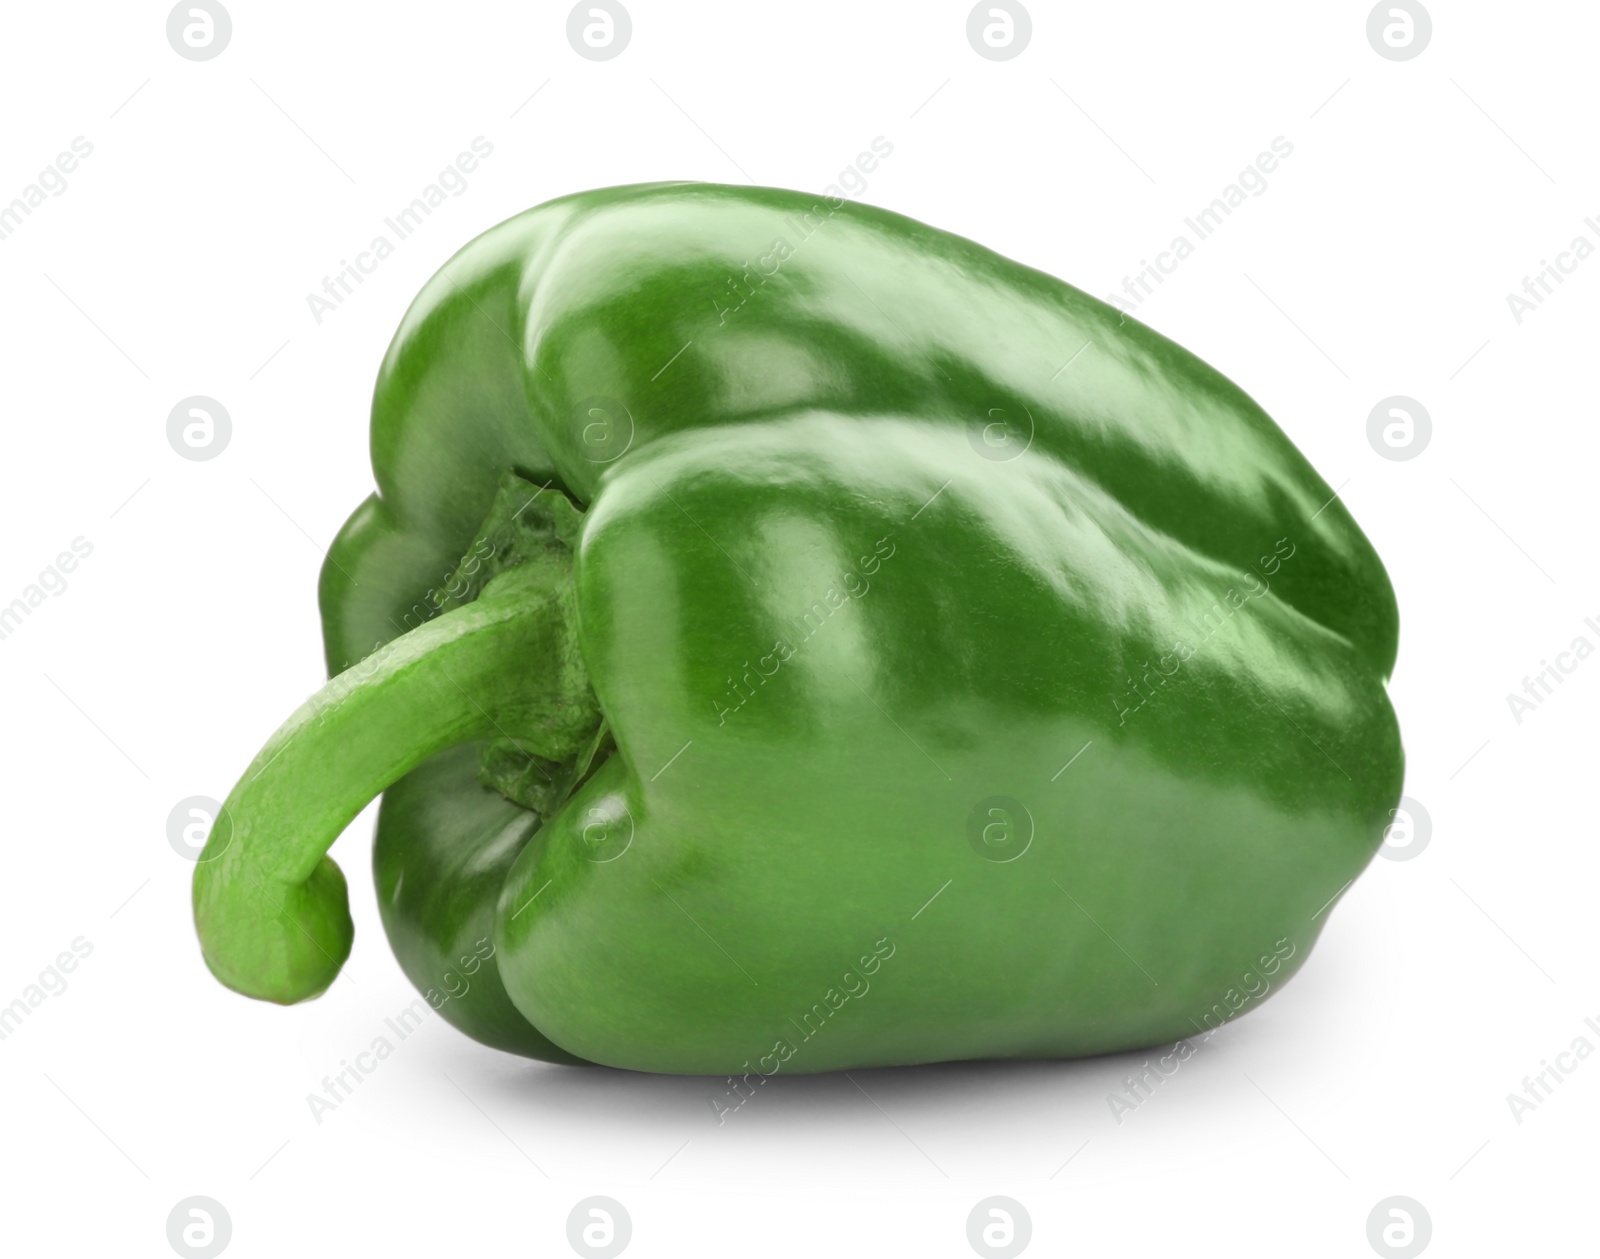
(177, 262)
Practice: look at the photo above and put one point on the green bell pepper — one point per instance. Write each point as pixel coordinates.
(791, 637)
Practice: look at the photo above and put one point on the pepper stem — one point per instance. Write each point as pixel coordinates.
(270, 906)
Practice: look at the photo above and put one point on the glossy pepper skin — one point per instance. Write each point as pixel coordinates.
(884, 653)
